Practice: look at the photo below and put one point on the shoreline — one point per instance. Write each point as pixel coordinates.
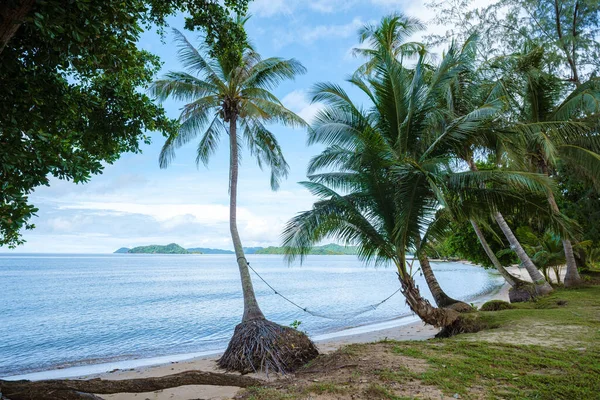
(406, 327)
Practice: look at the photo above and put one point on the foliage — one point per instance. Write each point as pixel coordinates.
(220, 93)
(328, 249)
(462, 243)
(567, 29)
(579, 200)
(71, 101)
(296, 324)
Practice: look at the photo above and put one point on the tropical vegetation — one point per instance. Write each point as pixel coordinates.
(489, 152)
(71, 74)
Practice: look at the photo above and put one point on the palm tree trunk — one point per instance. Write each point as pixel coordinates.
(572, 277)
(251, 309)
(440, 297)
(541, 285)
(438, 317)
(512, 281)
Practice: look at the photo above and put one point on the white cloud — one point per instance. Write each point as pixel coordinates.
(307, 35)
(298, 102)
(270, 8)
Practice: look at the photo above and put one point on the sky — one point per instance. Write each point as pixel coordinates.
(134, 202)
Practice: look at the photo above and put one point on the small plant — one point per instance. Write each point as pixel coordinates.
(496, 305)
(296, 324)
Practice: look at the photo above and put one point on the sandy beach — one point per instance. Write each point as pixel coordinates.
(411, 331)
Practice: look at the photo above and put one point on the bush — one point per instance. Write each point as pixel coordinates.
(496, 305)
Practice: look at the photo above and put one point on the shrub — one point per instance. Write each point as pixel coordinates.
(496, 305)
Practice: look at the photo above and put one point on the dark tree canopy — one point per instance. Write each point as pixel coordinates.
(73, 85)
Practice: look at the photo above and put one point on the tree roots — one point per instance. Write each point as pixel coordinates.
(465, 323)
(521, 293)
(262, 345)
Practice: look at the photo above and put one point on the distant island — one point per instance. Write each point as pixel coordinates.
(174, 248)
(326, 250)
(204, 250)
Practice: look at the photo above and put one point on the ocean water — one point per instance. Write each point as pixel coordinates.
(60, 311)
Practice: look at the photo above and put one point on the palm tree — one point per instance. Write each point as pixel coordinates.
(468, 90)
(220, 96)
(386, 171)
(387, 39)
(557, 129)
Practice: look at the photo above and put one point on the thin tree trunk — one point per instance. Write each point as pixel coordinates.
(557, 273)
(251, 309)
(541, 285)
(572, 277)
(440, 297)
(11, 19)
(512, 281)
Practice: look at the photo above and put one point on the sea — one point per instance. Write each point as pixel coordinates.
(67, 315)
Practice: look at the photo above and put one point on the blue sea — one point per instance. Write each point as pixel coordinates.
(64, 311)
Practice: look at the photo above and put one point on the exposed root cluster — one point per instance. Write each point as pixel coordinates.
(262, 345)
(521, 293)
(463, 324)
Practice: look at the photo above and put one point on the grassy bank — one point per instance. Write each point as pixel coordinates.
(549, 349)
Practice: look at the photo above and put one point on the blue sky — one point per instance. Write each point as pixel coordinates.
(134, 202)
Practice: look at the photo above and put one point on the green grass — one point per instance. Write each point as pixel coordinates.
(562, 363)
(567, 369)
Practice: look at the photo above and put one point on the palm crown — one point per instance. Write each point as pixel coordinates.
(218, 92)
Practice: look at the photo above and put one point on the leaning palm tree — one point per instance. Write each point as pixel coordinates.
(468, 90)
(220, 97)
(386, 41)
(386, 172)
(558, 128)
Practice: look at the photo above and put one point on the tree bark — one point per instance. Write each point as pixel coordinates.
(251, 309)
(572, 277)
(512, 281)
(74, 389)
(540, 288)
(541, 285)
(11, 19)
(438, 317)
(440, 297)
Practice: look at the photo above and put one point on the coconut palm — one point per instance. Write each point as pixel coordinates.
(387, 39)
(389, 36)
(558, 128)
(468, 90)
(220, 97)
(386, 171)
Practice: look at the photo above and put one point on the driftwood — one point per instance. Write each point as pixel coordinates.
(84, 389)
